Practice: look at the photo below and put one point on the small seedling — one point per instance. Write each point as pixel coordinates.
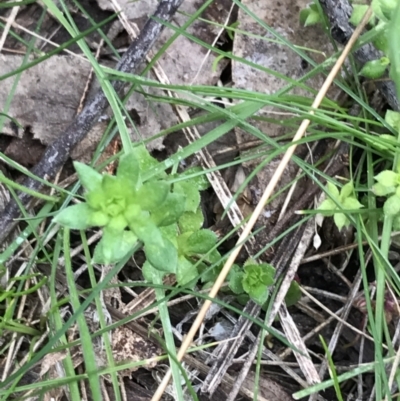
(162, 214)
(339, 201)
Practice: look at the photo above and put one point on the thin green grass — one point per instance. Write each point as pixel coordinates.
(332, 120)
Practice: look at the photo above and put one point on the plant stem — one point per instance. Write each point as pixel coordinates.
(169, 338)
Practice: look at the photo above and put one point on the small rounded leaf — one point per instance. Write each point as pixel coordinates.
(186, 271)
(347, 190)
(114, 246)
(259, 294)
(200, 181)
(170, 211)
(164, 258)
(332, 190)
(388, 178)
(293, 295)
(328, 205)
(76, 217)
(89, 177)
(340, 220)
(98, 219)
(152, 194)
(128, 169)
(392, 206)
(190, 221)
(351, 203)
(393, 119)
(200, 242)
(381, 42)
(358, 13)
(191, 193)
(146, 162)
(373, 69)
(312, 19)
(380, 190)
(235, 282)
(151, 274)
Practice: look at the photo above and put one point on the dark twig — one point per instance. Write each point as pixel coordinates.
(338, 12)
(58, 152)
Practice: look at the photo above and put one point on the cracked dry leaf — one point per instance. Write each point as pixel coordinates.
(47, 97)
(128, 347)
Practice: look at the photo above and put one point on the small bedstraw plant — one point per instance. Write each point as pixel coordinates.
(163, 213)
(252, 281)
(339, 201)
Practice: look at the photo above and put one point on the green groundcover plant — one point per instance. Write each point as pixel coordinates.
(164, 214)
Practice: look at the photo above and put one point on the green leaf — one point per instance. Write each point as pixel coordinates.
(396, 223)
(379, 9)
(328, 204)
(89, 177)
(213, 256)
(190, 221)
(117, 223)
(309, 16)
(133, 212)
(151, 274)
(381, 190)
(200, 242)
(340, 220)
(128, 170)
(373, 69)
(170, 211)
(387, 140)
(259, 294)
(392, 206)
(381, 42)
(242, 299)
(98, 219)
(347, 190)
(268, 273)
(388, 178)
(146, 162)
(163, 257)
(191, 193)
(145, 229)
(256, 277)
(304, 13)
(313, 18)
(351, 203)
(200, 181)
(186, 271)
(76, 217)
(112, 186)
(235, 282)
(171, 232)
(97, 199)
(333, 191)
(358, 13)
(250, 261)
(113, 246)
(393, 119)
(152, 194)
(209, 275)
(293, 295)
(384, 8)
